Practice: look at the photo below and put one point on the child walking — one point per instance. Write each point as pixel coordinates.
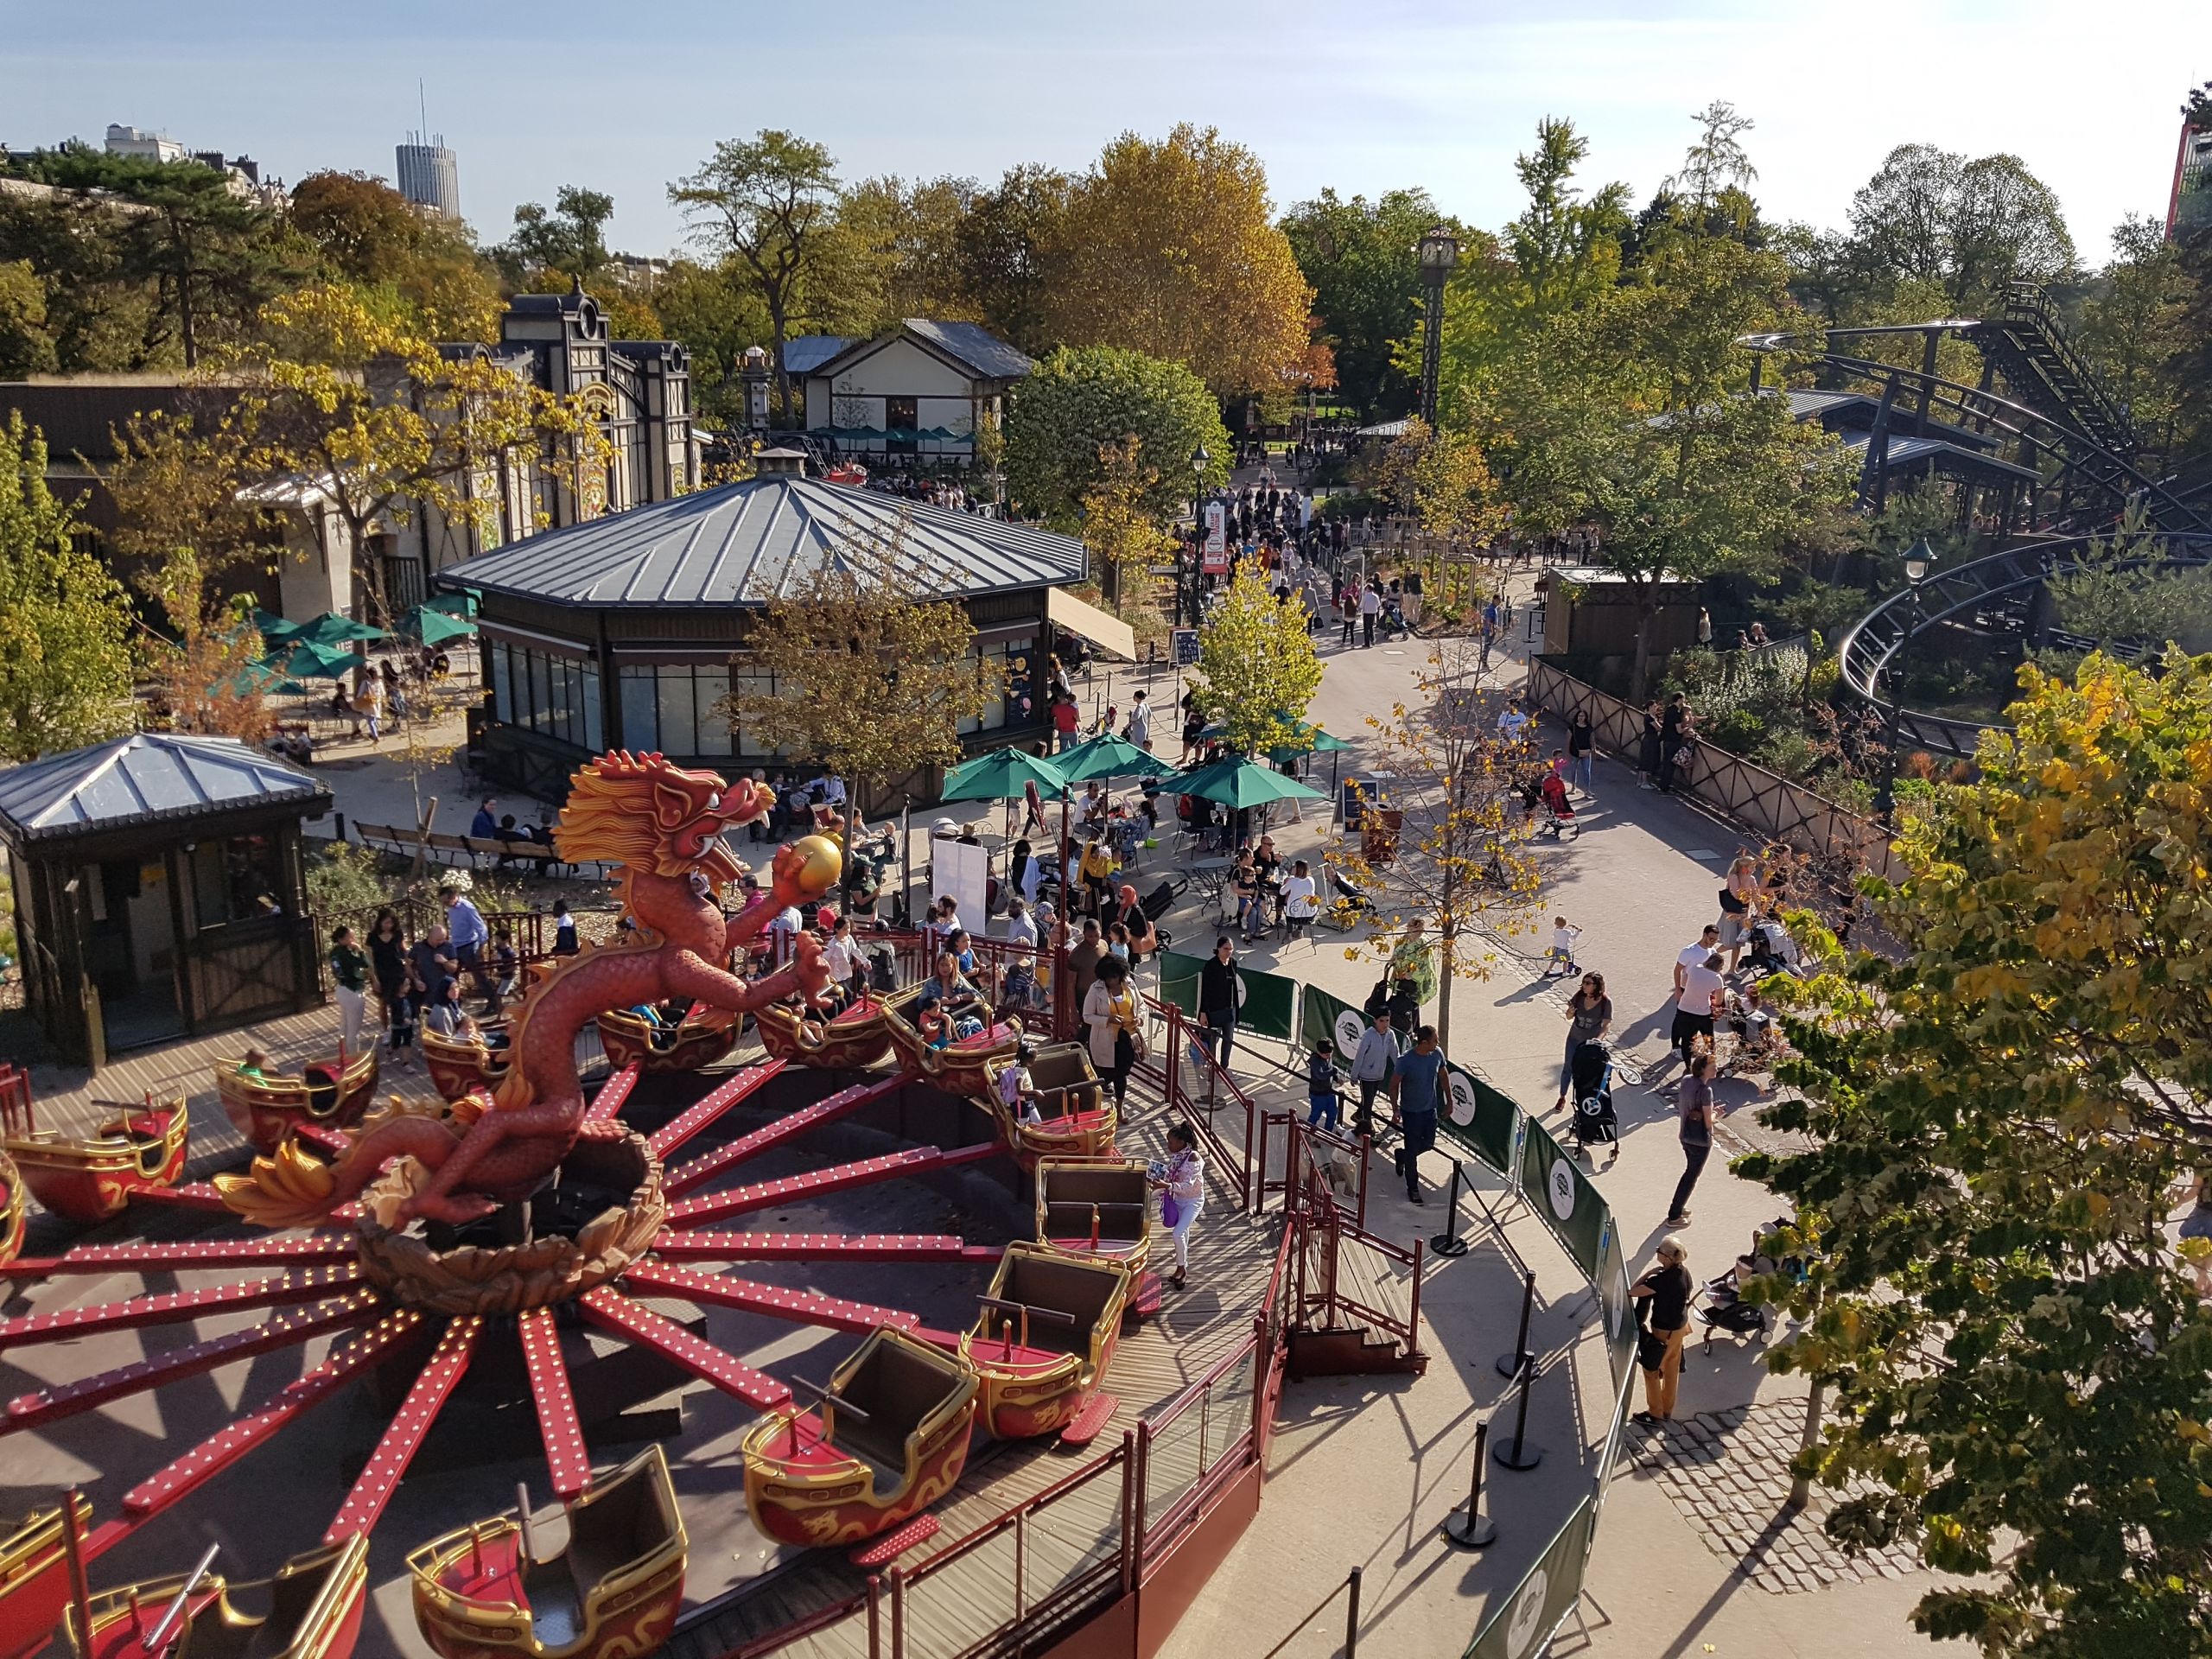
(1321, 1095)
(1559, 959)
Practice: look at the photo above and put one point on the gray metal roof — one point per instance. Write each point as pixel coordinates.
(976, 345)
(1904, 450)
(751, 543)
(810, 351)
(144, 778)
(982, 352)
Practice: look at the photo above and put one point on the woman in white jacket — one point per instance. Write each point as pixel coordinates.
(1111, 1012)
(1181, 1178)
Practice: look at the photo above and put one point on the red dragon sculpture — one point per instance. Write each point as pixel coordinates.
(663, 824)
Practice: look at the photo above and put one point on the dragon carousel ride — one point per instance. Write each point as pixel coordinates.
(1041, 1344)
(526, 1208)
(1064, 1113)
(311, 1609)
(891, 1438)
(928, 1043)
(853, 1039)
(611, 1589)
(268, 1109)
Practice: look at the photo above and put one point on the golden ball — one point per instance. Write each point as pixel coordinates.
(823, 865)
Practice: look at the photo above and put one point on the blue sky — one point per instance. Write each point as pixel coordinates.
(1364, 97)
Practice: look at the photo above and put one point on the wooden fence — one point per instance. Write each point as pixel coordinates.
(1764, 802)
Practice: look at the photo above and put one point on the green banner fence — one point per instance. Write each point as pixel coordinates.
(1270, 1000)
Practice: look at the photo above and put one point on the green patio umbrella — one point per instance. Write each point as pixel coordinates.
(435, 627)
(265, 679)
(1107, 756)
(274, 628)
(452, 604)
(1239, 783)
(1002, 775)
(309, 660)
(331, 629)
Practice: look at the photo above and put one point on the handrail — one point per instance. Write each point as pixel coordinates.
(1190, 1396)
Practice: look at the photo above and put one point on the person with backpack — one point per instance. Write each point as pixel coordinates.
(1321, 1097)
(1663, 1298)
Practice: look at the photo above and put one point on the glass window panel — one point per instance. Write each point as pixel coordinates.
(564, 699)
(710, 686)
(640, 712)
(679, 732)
(594, 738)
(967, 723)
(541, 694)
(503, 692)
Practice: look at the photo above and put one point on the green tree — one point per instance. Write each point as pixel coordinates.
(906, 246)
(1078, 401)
(2131, 323)
(1257, 669)
(1120, 526)
(65, 621)
(765, 205)
(713, 310)
(26, 344)
(1005, 246)
(1995, 1123)
(1967, 226)
(211, 254)
(570, 240)
(365, 233)
(99, 315)
(1360, 259)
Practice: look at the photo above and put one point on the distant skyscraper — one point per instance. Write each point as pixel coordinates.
(2189, 208)
(429, 175)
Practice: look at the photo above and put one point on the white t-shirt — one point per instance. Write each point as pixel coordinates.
(1693, 956)
(1298, 896)
(1140, 724)
(785, 920)
(1699, 984)
(1510, 722)
(1563, 940)
(1022, 930)
(837, 957)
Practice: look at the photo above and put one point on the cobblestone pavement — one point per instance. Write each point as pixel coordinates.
(1728, 1473)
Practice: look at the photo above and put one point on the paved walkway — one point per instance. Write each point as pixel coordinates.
(1695, 1515)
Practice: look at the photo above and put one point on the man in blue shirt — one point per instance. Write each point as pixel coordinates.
(467, 926)
(1417, 1086)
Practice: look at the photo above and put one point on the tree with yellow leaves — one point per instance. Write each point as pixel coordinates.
(375, 420)
(1171, 248)
(1998, 1124)
(1257, 669)
(1120, 527)
(1460, 865)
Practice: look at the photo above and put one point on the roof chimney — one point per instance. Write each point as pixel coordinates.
(770, 462)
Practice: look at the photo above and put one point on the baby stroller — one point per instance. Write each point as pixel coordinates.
(1391, 625)
(1721, 1308)
(1591, 1077)
(1350, 905)
(1558, 809)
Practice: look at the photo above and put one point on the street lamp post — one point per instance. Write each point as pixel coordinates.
(1917, 559)
(1438, 251)
(1186, 591)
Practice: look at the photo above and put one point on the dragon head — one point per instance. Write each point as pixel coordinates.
(654, 818)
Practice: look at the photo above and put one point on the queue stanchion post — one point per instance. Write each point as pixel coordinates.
(1448, 1242)
(1510, 1364)
(1518, 1453)
(1473, 1530)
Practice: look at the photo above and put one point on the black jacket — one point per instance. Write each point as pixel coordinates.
(1217, 987)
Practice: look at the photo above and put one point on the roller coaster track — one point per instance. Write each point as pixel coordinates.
(1993, 596)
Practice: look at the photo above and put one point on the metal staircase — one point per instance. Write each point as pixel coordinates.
(2047, 373)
